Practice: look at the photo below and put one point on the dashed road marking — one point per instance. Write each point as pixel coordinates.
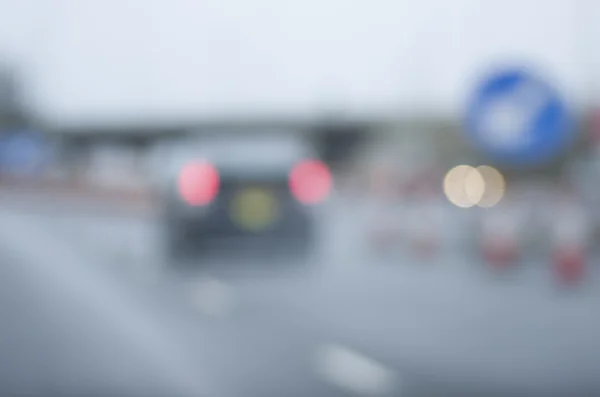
(352, 371)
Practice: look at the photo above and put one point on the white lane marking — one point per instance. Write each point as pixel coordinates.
(350, 370)
(212, 297)
(114, 241)
(46, 255)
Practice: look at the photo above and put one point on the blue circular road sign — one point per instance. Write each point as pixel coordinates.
(516, 117)
(23, 152)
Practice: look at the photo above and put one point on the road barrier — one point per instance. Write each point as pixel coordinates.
(79, 189)
(571, 231)
(500, 237)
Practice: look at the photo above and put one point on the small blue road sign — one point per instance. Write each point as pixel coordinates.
(515, 117)
(23, 152)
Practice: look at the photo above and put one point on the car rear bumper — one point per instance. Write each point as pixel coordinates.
(289, 218)
(284, 228)
(291, 239)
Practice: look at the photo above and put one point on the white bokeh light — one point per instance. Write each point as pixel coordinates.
(464, 186)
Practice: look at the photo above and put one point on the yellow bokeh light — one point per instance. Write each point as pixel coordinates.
(464, 186)
(495, 186)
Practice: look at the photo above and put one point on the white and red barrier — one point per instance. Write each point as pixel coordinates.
(407, 212)
(384, 239)
(386, 224)
(424, 230)
(500, 236)
(425, 243)
(570, 264)
(82, 190)
(571, 232)
(384, 227)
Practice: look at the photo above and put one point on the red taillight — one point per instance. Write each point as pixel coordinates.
(310, 182)
(198, 183)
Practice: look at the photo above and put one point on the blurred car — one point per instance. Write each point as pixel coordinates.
(227, 188)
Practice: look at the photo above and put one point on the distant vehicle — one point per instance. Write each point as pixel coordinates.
(231, 187)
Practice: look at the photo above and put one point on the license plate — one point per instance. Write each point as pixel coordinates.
(254, 209)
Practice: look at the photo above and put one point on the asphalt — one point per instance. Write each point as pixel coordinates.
(90, 309)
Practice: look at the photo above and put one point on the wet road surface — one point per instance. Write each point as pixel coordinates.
(89, 306)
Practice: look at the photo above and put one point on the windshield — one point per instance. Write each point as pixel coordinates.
(230, 198)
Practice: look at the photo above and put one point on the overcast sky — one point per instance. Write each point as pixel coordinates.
(162, 59)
